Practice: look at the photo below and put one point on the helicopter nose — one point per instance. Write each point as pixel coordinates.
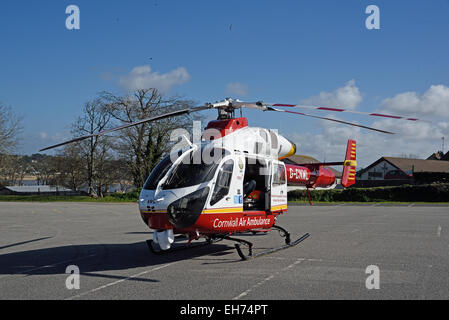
(185, 211)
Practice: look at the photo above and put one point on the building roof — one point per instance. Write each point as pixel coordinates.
(436, 156)
(300, 159)
(439, 155)
(303, 159)
(419, 165)
(414, 165)
(446, 156)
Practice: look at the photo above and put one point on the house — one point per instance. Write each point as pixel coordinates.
(436, 156)
(397, 171)
(439, 155)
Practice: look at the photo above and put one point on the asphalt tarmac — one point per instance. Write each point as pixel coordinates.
(407, 244)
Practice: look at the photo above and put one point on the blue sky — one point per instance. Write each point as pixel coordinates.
(278, 51)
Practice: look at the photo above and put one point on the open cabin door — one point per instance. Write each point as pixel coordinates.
(278, 187)
(256, 184)
(227, 194)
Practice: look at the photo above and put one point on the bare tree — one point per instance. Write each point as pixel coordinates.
(7, 169)
(9, 136)
(143, 145)
(94, 151)
(72, 167)
(46, 170)
(10, 129)
(13, 169)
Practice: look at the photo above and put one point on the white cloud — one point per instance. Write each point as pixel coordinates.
(413, 131)
(142, 77)
(432, 103)
(237, 88)
(54, 137)
(411, 138)
(347, 97)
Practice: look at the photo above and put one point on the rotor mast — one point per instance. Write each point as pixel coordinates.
(226, 110)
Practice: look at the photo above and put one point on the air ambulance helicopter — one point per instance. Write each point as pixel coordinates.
(233, 181)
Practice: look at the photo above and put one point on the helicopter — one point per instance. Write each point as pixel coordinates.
(233, 181)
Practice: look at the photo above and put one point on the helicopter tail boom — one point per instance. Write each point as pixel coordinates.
(313, 175)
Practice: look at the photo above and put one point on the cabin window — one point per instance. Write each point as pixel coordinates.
(279, 175)
(263, 147)
(223, 183)
(274, 140)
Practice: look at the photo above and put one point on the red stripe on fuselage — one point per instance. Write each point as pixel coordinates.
(217, 223)
(233, 222)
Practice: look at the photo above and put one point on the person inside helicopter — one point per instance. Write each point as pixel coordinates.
(255, 186)
(249, 188)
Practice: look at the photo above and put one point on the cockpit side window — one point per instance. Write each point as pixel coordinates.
(158, 173)
(223, 183)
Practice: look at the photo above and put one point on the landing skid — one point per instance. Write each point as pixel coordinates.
(155, 249)
(282, 232)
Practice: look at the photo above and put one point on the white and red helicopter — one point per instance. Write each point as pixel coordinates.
(232, 181)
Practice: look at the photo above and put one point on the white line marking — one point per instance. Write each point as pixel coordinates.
(245, 293)
(439, 231)
(120, 281)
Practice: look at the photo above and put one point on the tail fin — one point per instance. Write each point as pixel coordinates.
(348, 177)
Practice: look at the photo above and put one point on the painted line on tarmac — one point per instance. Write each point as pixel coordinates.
(119, 281)
(245, 293)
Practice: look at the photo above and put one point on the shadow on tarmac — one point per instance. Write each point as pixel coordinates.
(97, 260)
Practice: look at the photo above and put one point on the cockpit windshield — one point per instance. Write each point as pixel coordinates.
(158, 173)
(197, 167)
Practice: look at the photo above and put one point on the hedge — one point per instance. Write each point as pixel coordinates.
(404, 193)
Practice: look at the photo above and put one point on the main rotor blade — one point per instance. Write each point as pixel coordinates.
(128, 125)
(345, 110)
(265, 107)
(329, 119)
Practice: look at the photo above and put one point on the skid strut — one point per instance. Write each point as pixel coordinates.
(283, 233)
(239, 250)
